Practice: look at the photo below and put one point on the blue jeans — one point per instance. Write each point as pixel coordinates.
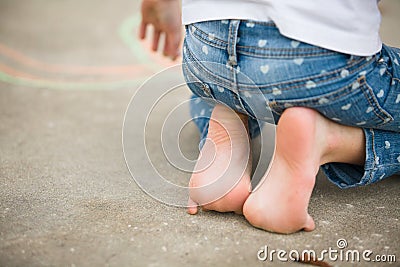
(255, 70)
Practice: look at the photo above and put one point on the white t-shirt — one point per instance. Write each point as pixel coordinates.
(347, 26)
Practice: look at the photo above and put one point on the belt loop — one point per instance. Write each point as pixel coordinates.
(232, 41)
(232, 62)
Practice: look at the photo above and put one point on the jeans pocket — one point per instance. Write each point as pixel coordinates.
(355, 104)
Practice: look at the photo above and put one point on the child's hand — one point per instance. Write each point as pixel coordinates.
(165, 16)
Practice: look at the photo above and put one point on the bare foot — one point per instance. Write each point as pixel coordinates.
(304, 141)
(221, 180)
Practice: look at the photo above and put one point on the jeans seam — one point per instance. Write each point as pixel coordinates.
(232, 59)
(213, 78)
(287, 52)
(339, 93)
(232, 42)
(319, 77)
(375, 156)
(203, 84)
(214, 43)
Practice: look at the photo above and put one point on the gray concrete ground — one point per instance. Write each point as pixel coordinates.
(66, 196)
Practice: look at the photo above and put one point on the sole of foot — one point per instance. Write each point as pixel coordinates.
(280, 204)
(221, 178)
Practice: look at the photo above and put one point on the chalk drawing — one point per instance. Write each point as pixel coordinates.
(94, 77)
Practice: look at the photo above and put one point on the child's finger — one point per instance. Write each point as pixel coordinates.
(166, 49)
(192, 207)
(142, 30)
(156, 39)
(171, 47)
(169, 50)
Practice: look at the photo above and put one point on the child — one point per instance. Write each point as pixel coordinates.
(332, 86)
